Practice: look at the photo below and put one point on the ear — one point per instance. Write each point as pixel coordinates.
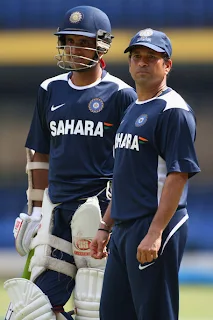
(168, 66)
(129, 61)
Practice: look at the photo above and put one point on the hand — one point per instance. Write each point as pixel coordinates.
(147, 250)
(98, 245)
(25, 229)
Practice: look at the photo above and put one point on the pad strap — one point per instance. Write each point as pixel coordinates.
(35, 194)
(55, 265)
(37, 165)
(53, 241)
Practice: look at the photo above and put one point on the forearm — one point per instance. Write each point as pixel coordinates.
(170, 197)
(107, 221)
(40, 176)
(98, 245)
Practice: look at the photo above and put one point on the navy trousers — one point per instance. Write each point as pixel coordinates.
(132, 291)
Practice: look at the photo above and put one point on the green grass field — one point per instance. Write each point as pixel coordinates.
(196, 302)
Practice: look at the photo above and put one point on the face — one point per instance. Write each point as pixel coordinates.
(79, 50)
(148, 67)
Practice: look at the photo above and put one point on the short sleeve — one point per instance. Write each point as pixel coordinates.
(38, 137)
(175, 135)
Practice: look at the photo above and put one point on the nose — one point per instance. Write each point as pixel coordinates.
(75, 50)
(143, 61)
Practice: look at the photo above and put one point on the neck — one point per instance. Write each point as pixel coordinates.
(86, 77)
(150, 93)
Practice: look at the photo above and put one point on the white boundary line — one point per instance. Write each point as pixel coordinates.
(195, 318)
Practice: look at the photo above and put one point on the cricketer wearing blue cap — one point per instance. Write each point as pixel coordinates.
(154, 158)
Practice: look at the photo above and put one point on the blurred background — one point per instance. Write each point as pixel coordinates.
(27, 52)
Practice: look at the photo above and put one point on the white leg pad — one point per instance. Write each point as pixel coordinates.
(84, 225)
(87, 293)
(29, 302)
(43, 243)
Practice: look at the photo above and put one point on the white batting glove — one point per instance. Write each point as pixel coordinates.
(25, 228)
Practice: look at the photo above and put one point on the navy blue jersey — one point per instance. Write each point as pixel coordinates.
(156, 137)
(76, 126)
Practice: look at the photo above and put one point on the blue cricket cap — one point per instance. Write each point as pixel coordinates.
(153, 39)
(84, 20)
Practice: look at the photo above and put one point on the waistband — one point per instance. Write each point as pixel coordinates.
(151, 215)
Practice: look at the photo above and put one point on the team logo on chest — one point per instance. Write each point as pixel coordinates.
(96, 105)
(141, 120)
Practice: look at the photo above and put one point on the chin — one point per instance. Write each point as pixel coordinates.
(140, 78)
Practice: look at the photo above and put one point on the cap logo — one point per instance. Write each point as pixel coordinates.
(146, 33)
(144, 39)
(76, 17)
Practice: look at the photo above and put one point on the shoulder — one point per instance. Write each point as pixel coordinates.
(176, 113)
(47, 82)
(173, 100)
(116, 81)
(123, 92)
